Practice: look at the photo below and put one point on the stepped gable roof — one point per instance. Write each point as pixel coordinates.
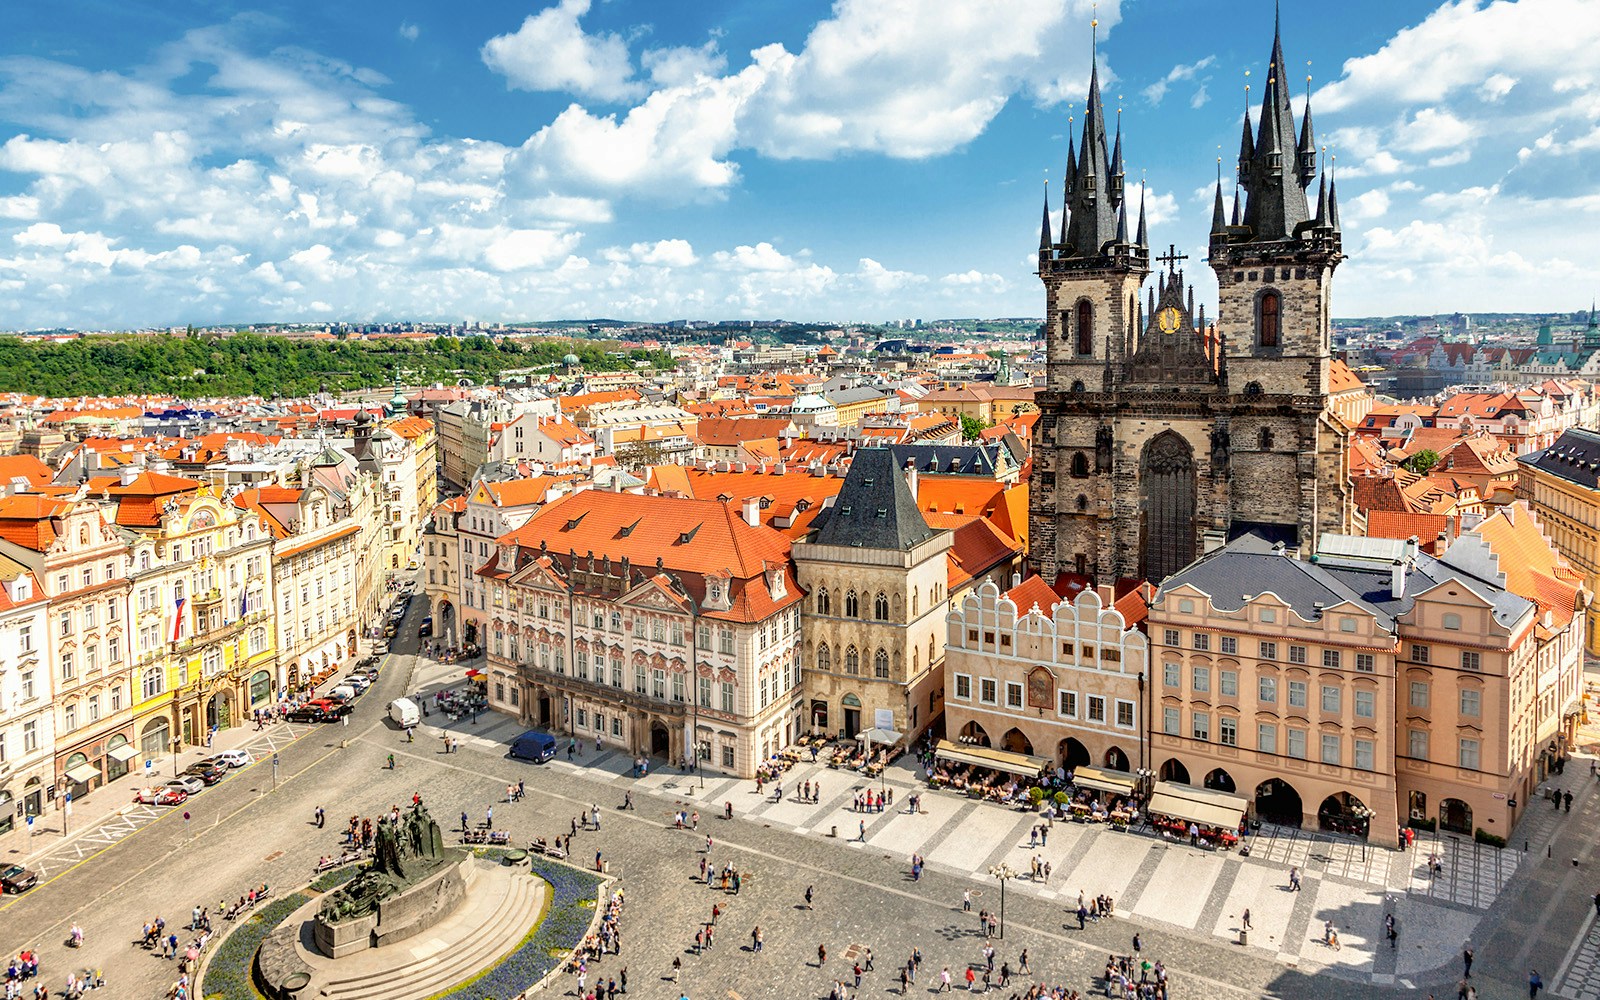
(874, 508)
(1532, 567)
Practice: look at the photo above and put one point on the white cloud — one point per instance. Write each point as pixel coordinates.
(1435, 128)
(520, 249)
(1158, 90)
(882, 280)
(1496, 87)
(409, 31)
(677, 67)
(551, 51)
(761, 257)
(662, 253)
(974, 280)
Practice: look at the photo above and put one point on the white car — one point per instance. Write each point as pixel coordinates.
(358, 681)
(187, 783)
(232, 758)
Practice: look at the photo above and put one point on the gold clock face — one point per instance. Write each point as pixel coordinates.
(1169, 319)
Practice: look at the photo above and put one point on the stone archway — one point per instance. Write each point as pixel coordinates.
(219, 711)
(660, 740)
(1278, 802)
(1342, 812)
(1455, 816)
(1167, 506)
(1072, 754)
(1220, 780)
(974, 734)
(1172, 769)
(1117, 760)
(1016, 741)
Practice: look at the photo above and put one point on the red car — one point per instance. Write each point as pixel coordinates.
(161, 796)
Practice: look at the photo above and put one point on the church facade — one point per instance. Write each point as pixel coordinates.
(1162, 435)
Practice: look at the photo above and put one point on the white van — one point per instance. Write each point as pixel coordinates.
(343, 692)
(404, 712)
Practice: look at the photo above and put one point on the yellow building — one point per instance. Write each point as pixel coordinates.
(1563, 487)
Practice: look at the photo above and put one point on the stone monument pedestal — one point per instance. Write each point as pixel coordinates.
(412, 911)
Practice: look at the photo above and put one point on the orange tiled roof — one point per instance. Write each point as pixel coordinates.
(1033, 591)
(1341, 378)
(27, 519)
(1532, 567)
(978, 545)
(24, 467)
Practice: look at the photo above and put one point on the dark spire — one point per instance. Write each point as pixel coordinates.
(874, 508)
(1308, 144)
(1322, 202)
(1274, 173)
(1091, 204)
(1122, 225)
(1143, 238)
(1238, 215)
(1333, 205)
(1116, 164)
(1044, 228)
(1247, 145)
(1219, 218)
(1071, 181)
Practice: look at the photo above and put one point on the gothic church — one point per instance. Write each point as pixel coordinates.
(1161, 436)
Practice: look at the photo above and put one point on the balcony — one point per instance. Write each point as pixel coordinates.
(627, 697)
(208, 597)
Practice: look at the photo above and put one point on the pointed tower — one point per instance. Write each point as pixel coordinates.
(1091, 277)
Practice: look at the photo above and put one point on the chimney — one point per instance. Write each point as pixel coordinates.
(1016, 579)
(911, 478)
(1108, 594)
(752, 512)
(127, 475)
(1397, 579)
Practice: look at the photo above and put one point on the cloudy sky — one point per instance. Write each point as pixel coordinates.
(226, 161)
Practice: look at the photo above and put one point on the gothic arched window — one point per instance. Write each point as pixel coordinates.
(823, 604)
(1266, 439)
(852, 661)
(880, 607)
(824, 658)
(852, 607)
(1083, 503)
(880, 665)
(1268, 311)
(1080, 465)
(1085, 327)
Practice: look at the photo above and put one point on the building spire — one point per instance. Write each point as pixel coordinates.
(1219, 218)
(1116, 162)
(1307, 150)
(1333, 193)
(1276, 169)
(1095, 189)
(1044, 227)
(1122, 225)
(1143, 237)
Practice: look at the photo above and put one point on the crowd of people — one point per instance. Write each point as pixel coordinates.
(605, 940)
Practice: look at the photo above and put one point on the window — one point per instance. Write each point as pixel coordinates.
(727, 697)
(964, 687)
(1452, 622)
(1419, 653)
(823, 604)
(1330, 698)
(1268, 651)
(987, 690)
(1013, 694)
(638, 680)
(852, 605)
(1297, 654)
(1419, 694)
(727, 757)
(68, 669)
(1230, 645)
(1297, 694)
(1363, 755)
(69, 717)
(705, 692)
(27, 685)
(1267, 737)
(1186, 606)
(1269, 614)
(880, 607)
(155, 681)
(1170, 721)
(1230, 683)
(1085, 327)
(1330, 748)
(880, 668)
(1364, 663)
(66, 623)
(1097, 708)
(1201, 641)
(1228, 732)
(1471, 660)
(1417, 743)
(1200, 725)
(1171, 675)
(1471, 702)
(1366, 704)
(658, 684)
(725, 641)
(1080, 465)
(1330, 659)
(852, 661)
(1267, 317)
(1267, 689)
(1125, 713)
(1200, 678)
(1067, 703)
(1347, 624)
(1170, 637)
(1469, 754)
(1297, 744)
(30, 736)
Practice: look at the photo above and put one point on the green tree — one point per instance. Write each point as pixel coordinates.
(1422, 461)
(971, 426)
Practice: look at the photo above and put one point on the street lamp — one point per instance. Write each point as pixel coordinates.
(1004, 873)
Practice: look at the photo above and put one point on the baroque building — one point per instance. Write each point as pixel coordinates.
(1161, 436)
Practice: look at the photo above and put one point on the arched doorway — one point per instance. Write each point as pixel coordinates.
(1221, 780)
(1173, 770)
(1072, 754)
(1455, 816)
(819, 715)
(350, 642)
(444, 628)
(1342, 812)
(1016, 742)
(116, 757)
(33, 797)
(852, 715)
(1417, 808)
(543, 710)
(219, 711)
(660, 740)
(974, 733)
(1278, 802)
(155, 738)
(78, 784)
(8, 811)
(260, 688)
(1167, 504)
(1116, 760)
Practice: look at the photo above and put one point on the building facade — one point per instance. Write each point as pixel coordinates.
(1562, 485)
(27, 716)
(670, 627)
(1160, 436)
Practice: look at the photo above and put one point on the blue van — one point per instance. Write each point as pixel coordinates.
(533, 746)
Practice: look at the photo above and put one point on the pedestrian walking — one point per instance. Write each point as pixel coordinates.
(808, 897)
(488, 819)
(966, 901)
(1245, 919)
(677, 965)
(1466, 960)
(822, 955)
(944, 980)
(755, 940)
(1535, 984)
(1138, 945)
(1022, 963)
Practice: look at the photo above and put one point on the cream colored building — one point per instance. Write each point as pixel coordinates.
(1563, 486)
(27, 721)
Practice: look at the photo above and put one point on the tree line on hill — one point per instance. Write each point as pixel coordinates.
(251, 364)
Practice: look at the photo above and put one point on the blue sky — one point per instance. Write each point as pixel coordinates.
(857, 160)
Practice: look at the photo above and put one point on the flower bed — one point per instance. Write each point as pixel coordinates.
(228, 974)
(568, 911)
(330, 880)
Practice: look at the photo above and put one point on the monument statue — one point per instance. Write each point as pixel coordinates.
(404, 853)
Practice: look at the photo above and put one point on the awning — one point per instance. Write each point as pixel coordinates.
(83, 773)
(1204, 806)
(998, 760)
(474, 672)
(886, 737)
(1102, 781)
(125, 752)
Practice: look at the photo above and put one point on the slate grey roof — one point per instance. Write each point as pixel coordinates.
(874, 508)
(951, 460)
(853, 394)
(1251, 566)
(1575, 457)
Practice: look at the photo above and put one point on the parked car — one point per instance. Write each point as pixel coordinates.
(232, 758)
(321, 710)
(425, 629)
(15, 879)
(160, 795)
(208, 771)
(359, 681)
(187, 783)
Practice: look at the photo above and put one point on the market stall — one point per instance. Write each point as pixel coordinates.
(1204, 816)
(1102, 797)
(984, 772)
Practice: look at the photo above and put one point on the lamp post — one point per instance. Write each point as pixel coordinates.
(1004, 873)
